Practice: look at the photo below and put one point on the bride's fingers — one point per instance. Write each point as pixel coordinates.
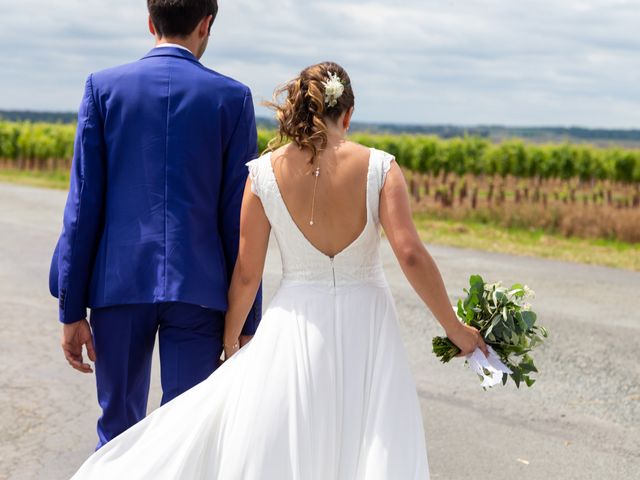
(483, 346)
(464, 353)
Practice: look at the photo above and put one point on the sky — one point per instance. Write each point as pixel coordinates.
(471, 62)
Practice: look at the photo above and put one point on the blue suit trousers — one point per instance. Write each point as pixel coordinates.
(190, 341)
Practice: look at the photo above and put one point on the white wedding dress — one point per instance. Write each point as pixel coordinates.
(322, 392)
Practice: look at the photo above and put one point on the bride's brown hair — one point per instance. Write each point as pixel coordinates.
(302, 114)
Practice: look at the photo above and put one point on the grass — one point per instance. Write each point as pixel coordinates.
(466, 234)
(58, 180)
(536, 243)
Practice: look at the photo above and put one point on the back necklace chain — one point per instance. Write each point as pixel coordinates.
(316, 174)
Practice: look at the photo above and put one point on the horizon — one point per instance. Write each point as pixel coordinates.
(264, 118)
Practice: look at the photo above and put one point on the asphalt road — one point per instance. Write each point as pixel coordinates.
(580, 421)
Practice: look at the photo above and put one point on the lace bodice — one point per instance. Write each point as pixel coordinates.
(359, 262)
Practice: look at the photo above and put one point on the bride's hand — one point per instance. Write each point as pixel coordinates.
(467, 338)
(230, 348)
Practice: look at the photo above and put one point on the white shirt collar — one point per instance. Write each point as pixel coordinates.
(174, 45)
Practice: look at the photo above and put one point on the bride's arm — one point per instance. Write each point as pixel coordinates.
(416, 262)
(247, 273)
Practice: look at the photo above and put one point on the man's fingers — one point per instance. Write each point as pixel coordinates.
(91, 352)
(81, 367)
(78, 365)
(74, 336)
(72, 348)
(71, 355)
(76, 361)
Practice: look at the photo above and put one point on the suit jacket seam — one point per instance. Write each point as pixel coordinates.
(81, 190)
(238, 121)
(94, 101)
(166, 181)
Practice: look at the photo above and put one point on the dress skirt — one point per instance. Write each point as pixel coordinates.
(322, 392)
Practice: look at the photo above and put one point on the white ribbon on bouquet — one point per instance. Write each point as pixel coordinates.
(490, 368)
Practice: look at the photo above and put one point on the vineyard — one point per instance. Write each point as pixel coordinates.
(36, 146)
(573, 190)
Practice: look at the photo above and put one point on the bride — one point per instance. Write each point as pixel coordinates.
(323, 391)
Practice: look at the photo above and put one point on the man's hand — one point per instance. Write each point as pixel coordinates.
(74, 336)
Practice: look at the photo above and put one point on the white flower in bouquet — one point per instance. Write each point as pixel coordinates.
(528, 293)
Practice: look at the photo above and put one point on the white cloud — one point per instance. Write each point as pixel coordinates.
(414, 61)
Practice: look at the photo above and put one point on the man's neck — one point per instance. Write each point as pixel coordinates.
(175, 42)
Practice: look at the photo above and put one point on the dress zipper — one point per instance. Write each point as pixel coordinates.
(333, 271)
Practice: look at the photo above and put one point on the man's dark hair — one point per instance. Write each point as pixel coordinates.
(178, 18)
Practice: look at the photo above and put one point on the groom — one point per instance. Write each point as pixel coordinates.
(151, 223)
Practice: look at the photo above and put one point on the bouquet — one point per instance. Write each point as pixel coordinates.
(508, 326)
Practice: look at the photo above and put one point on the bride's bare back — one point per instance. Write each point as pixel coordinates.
(340, 211)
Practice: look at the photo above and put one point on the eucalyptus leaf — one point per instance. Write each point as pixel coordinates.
(528, 317)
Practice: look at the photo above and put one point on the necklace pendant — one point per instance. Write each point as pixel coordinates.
(317, 172)
(311, 222)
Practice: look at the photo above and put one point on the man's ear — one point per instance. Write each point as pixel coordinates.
(152, 27)
(205, 26)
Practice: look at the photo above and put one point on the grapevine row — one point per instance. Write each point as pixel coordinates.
(43, 145)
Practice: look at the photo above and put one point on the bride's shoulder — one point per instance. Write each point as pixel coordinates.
(374, 153)
(282, 151)
(355, 147)
(379, 163)
(259, 162)
(379, 160)
(259, 172)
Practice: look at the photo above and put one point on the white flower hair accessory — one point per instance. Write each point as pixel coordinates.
(333, 89)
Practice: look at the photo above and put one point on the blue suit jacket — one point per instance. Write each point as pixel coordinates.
(158, 174)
